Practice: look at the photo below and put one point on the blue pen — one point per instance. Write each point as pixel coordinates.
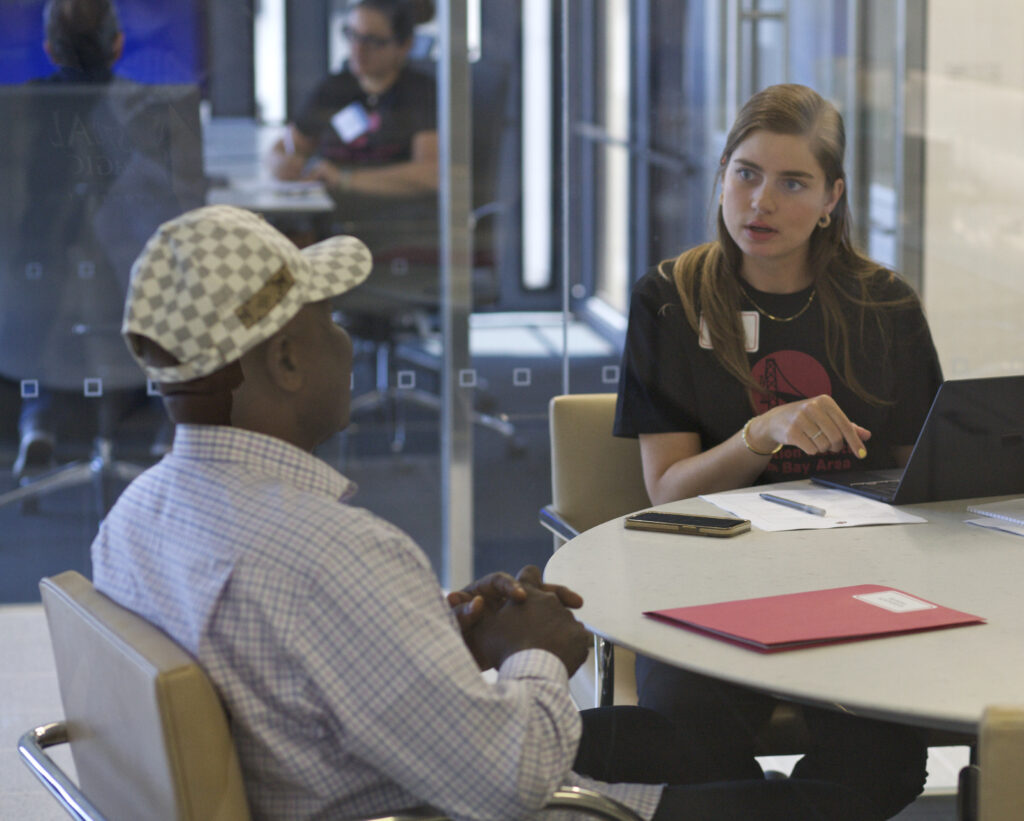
(779, 500)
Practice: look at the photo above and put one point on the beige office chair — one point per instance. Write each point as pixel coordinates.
(148, 734)
(595, 477)
(996, 791)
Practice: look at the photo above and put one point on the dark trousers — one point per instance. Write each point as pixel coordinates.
(855, 768)
(633, 744)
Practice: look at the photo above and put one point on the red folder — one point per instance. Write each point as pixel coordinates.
(816, 617)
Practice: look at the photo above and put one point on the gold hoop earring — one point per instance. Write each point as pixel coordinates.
(825, 221)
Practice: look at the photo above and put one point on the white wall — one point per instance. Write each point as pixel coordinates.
(974, 187)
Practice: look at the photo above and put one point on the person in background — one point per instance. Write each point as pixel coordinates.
(353, 683)
(83, 40)
(370, 130)
(774, 352)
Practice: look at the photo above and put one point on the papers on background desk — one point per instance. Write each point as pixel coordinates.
(842, 509)
(997, 524)
(1007, 515)
(281, 188)
(272, 196)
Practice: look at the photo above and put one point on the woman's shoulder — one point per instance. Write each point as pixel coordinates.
(879, 285)
(889, 289)
(657, 284)
(413, 80)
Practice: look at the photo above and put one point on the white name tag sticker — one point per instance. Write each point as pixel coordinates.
(894, 601)
(751, 328)
(351, 122)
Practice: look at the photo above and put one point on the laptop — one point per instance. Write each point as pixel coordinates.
(971, 444)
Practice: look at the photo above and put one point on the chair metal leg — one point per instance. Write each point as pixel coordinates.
(390, 398)
(32, 747)
(604, 657)
(967, 793)
(97, 470)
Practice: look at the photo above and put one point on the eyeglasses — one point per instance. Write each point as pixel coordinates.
(368, 40)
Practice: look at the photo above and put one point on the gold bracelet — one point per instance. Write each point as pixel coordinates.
(777, 448)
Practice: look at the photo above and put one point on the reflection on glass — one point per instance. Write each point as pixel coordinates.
(974, 215)
(91, 171)
(649, 88)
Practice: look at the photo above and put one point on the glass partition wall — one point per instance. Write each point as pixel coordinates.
(579, 142)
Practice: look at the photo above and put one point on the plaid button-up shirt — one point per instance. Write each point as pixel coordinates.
(348, 684)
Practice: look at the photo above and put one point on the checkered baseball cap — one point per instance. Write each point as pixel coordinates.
(213, 283)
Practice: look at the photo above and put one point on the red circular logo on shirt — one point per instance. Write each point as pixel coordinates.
(790, 376)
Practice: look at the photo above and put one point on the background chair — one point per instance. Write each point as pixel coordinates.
(994, 789)
(90, 171)
(149, 737)
(397, 309)
(595, 477)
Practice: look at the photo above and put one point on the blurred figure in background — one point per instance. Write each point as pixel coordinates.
(83, 39)
(369, 133)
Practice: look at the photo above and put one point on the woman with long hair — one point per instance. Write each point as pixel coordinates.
(777, 350)
(774, 352)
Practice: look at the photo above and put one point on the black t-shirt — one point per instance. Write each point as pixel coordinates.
(382, 126)
(671, 382)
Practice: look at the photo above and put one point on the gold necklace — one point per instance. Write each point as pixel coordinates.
(774, 318)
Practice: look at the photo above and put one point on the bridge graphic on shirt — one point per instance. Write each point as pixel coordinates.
(771, 381)
(789, 376)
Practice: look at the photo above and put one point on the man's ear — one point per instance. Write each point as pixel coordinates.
(283, 359)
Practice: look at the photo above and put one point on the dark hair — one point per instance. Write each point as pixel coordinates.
(708, 277)
(81, 33)
(403, 15)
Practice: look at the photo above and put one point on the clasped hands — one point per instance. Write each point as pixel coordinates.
(500, 615)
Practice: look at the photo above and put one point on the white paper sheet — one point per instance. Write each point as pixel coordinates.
(842, 509)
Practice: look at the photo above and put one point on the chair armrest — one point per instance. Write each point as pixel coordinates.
(32, 747)
(589, 802)
(552, 520)
(576, 799)
(33, 744)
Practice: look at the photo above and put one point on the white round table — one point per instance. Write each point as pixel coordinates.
(941, 679)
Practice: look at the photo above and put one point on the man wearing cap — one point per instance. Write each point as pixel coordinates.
(353, 685)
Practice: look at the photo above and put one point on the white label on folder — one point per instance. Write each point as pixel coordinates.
(894, 601)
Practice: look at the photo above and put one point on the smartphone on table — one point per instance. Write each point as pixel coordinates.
(687, 523)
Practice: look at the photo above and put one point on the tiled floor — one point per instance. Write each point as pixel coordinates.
(29, 696)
